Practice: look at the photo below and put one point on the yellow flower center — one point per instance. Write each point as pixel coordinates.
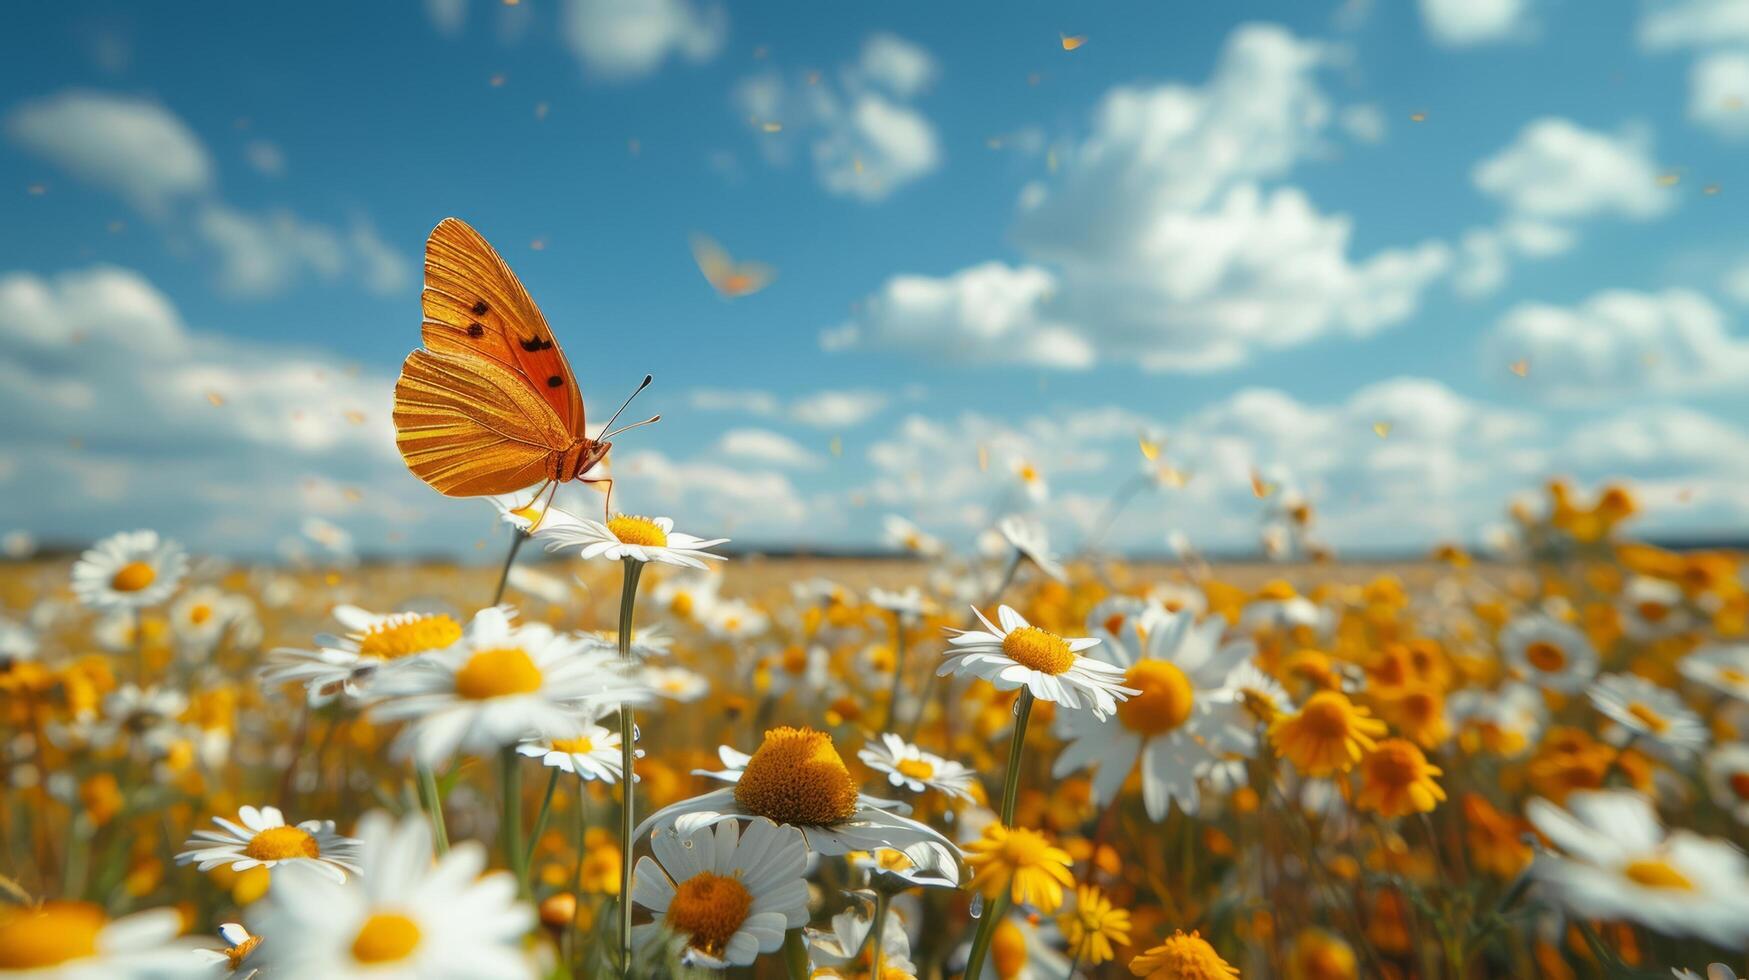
(915, 768)
(133, 577)
(1164, 703)
(1652, 612)
(638, 530)
(200, 614)
(282, 844)
(497, 674)
(1326, 717)
(1008, 950)
(709, 908)
(581, 745)
(1545, 656)
(1732, 675)
(1276, 591)
(418, 634)
(1740, 784)
(1649, 717)
(681, 605)
(1028, 473)
(1656, 873)
(385, 938)
(48, 935)
(795, 659)
(1041, 650)
(797, 777)
(1395, 763)
(529, 514)
(1022, 848)
(240, 952)
(1183, 957)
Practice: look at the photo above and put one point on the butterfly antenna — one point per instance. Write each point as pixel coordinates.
(634, 425)
(641, 386)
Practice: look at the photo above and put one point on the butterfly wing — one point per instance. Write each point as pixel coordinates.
(476, 307)
(470, 426)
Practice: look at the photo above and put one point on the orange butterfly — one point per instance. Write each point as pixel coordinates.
(489, 405)
(730, 278)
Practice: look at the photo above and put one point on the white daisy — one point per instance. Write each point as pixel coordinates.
(501, 684)
(233, 959)
(845, 953)
(200, 616)
(1616, 862)
(18, 643)
(734, 619)
(688, 594)
(262, 838)
(731, 895)
(796, 777)
(1652, 608)
(1030, 538)
(1548, 653)
(908, 603)
(1649, 713)
(373, 643)
(1184, 713)
(1018, 654)
(1724, 670)
(145, 718)
(901, 533)
(925, 864)
(1727, 777)
(130, 570)
(1506, 721)
(65, 940)
(676, 683)
(405, 916)
(589, 752)
(642, 539)
(909, 766)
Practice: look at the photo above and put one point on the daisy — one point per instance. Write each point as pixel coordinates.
(847, 953)
(733, 896)
(373, 643)
(233, 958)
(589, 752)
(796, 777)
(1614, 861)
(688, 594)
(1504, 722)
(1649, 713)
(1724, 670)
(262, 838)
(1652, 608)
(405, 915)
(1548, 653)
(1397, 780)
(1183, 716)
(1021, 863)
(909, 766)
(1030, 480)
(908, 604)
(130, 570)
(198, 618)
(1022, 947)
(903, 534)
(1030, 539)
(1327, 735)
(734, 619)
(64, 940)
(926, 864)
(146, 718)
(675, 683)
(1727, 777)
(1182, 957)
(1021, 655)
(501, 684)
(643, 539)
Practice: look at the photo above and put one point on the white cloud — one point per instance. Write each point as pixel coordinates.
(266, 157)
(1660, 441)
(712, 498)
(1735, 284)
(837, 409)
(989, 313)
(1718, 94)
(448, 16)
(766, 446)
(1460, 23)
(1718, 81)
(1557, 170)
(628, 39)
(130, 146)
(1671, 24)
(750, 401)
(1363, 123)
(903, 68)
(1621, 342)
(262, 254)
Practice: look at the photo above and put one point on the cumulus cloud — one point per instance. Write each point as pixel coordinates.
(719, 497)
(1621, 342)
(766, 446)
(1718, 81)
(1461, 23)
(1557, 170)
(629, 39)
(129, 146)
(262, 254)
(1718, 93)
(1160, 243)
(825, 409)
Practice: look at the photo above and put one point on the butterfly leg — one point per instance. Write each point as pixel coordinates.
(607, 502)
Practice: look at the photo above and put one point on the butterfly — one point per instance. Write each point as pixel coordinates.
(729, 278)
(489, 404)
(1072, 41)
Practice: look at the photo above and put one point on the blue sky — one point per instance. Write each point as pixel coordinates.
(1251, 229)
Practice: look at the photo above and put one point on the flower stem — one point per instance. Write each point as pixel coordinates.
(576, 883)
(432, 801)
(876, 925)
(1010, 792)
(540, 820)
(628, 729)
(795, 954)
(517, 537)
(898, 673)
(510, 824)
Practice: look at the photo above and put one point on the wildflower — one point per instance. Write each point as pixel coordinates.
(77, 941)
(1021, 948)
(1022, 863)
(1327, 735)
(1724, 670)
(588, 751)
(903, 534)
(499, 685)
(1649, 713)
(1502, 722)
(731, 895)
(373, 643)
(796, 777)
(1397, 780)
(1030, 539)
(908, 603)
(262, 838)
(1051, 667)
(1727, 776)
(920, 865)
(1615, 861)
(909, 766)
(239, 944)
(1319, 954)
(1182, 716)
(1548, 653)
(1093, 926)
(643, 539)
(404, 914)
(848, 952)
(130, 570)
(675, 683)
(1652, 608)
(1496, 839)
(1182, 957)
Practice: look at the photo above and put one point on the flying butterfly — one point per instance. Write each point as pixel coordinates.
(729, 278)
(489, 404)
(1072, 41)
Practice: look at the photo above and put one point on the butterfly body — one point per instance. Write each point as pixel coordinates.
(489, 404)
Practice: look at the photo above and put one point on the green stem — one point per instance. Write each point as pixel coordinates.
(1010, 793)
(540, 820)
(517, 537)
(576, 883)
(898, 672)
(795, 954)
(432, 801)
(878, 923)
(510, 823)
(627, 757)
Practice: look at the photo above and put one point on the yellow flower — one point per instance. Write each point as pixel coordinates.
(1183, 958)
(1326, 736)
(1092, 926)
(1397, 780)
(1320, 955)
(1021, 862)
